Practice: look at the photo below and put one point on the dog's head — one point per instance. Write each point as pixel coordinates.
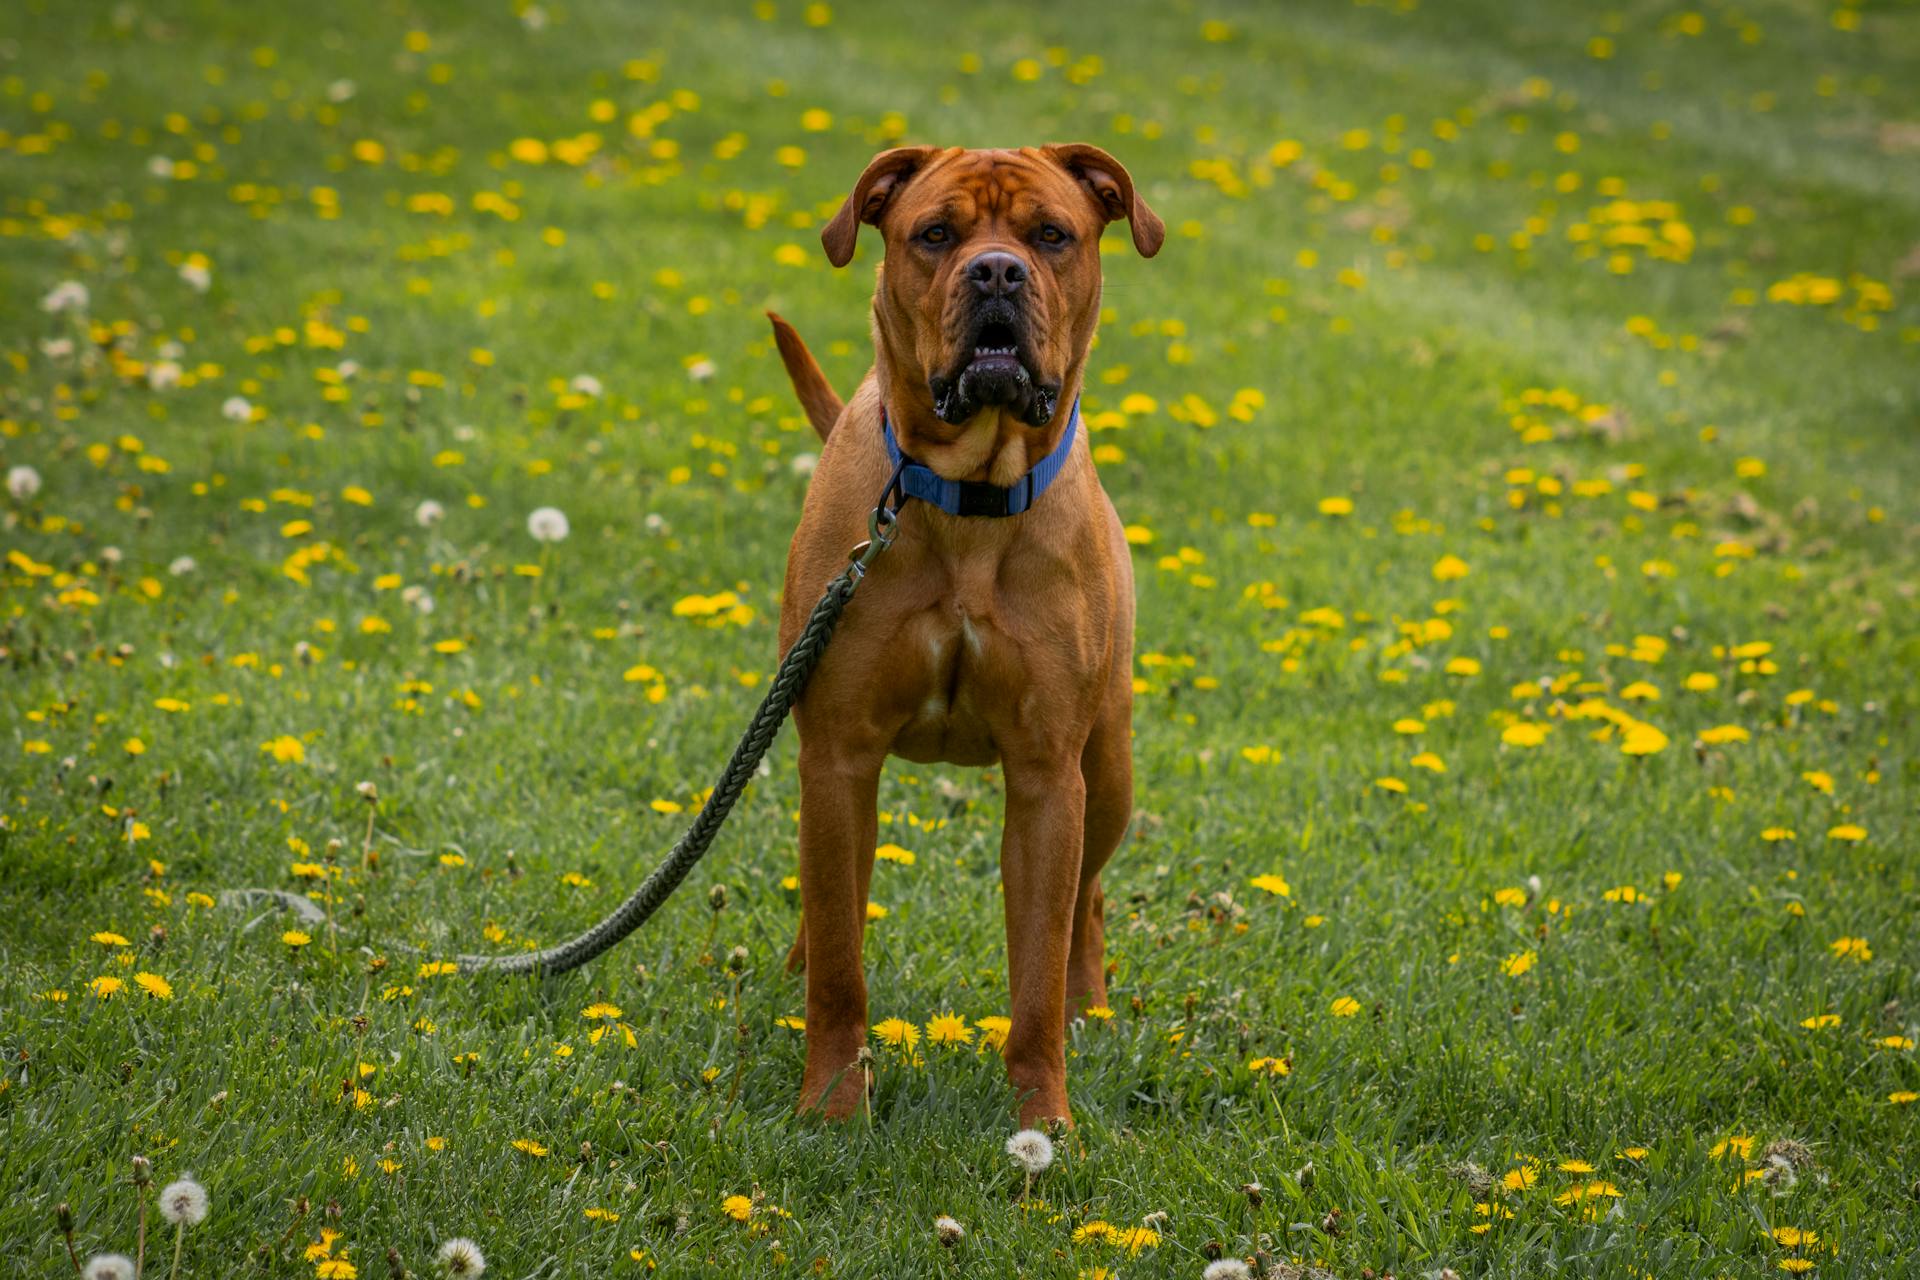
(990, 289)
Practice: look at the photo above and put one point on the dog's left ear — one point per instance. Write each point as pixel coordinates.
(884, 175)
(1111, 186)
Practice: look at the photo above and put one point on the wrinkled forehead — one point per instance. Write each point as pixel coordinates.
(992, 186)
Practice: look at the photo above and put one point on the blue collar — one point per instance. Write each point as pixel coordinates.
(974, 497)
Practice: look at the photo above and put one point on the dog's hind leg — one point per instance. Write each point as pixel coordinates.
(1107, 766)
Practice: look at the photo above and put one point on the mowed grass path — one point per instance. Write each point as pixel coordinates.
(1518, 439)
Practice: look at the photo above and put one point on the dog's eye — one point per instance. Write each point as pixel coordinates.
(1050, 234)
(935, 235)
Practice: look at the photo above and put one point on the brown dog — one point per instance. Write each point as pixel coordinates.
(974, 639)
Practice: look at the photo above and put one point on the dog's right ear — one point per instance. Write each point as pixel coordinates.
(886, 173)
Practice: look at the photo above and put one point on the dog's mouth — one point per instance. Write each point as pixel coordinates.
(996, 348)
(994, 370)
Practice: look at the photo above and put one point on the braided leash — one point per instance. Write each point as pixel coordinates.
(787, 685)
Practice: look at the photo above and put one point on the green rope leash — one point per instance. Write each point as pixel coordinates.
(785, 690)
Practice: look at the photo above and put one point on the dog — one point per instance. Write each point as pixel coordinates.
(999, 627)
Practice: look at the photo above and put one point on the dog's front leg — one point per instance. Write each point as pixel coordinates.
(1040, 874)
(839, 795)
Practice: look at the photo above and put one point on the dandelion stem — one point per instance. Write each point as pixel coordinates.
(740, 1045)
(333, 942)
(179, 1240)
(140, 1250)
(300, 1207)
(66, 1229)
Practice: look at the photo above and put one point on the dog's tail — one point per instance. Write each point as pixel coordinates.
(809, 384)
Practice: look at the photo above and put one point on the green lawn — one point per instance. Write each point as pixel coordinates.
(1518, 433)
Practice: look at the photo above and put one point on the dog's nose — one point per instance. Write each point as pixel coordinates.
(997, 274)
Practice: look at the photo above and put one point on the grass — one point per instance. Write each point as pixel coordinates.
(1612, 312)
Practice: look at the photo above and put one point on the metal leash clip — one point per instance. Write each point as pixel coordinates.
(883, 525)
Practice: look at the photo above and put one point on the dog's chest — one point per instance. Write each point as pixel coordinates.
(960, 671)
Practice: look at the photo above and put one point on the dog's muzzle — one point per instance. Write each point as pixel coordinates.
(993, 369)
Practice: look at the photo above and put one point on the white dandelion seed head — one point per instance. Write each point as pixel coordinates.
(68, 295)
(182, 566)
(183, 1202)
(108, 1266)
(534, 18)
(655, 522)
(1227, 1269)
(160, 166)
(949, 1230)
(1031, 1149)
(164, 375)
(348, 370)
(111, 555)
(198, 278)
(341, 91)
(701, 370)
(587, 385)
(462, 1257)
(428, 514)
(236, 409)
(57, 349)
(548, 524)
(804, 463)
(22, 482)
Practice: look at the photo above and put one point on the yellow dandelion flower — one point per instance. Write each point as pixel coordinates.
(1855, 949)
(897, 1033)
(1519, 963)
(994, 1030)
(947, 1028)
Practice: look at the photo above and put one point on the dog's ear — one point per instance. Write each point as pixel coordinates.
(1111, 187)
(886, 173)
